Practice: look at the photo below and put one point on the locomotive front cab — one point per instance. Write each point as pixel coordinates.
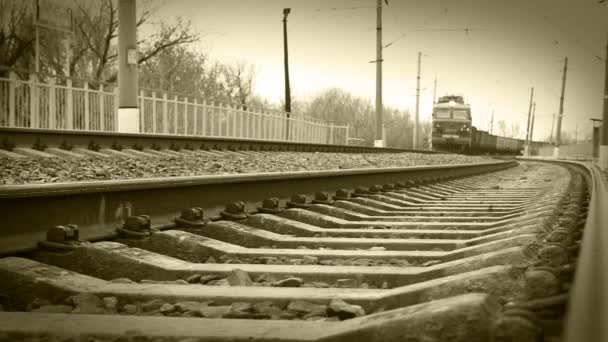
(452, 126)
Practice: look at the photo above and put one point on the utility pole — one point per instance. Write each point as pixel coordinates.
(561, 111)
(492, 122)
(287, 90)
(527, 146)
(532, 123)
(576, 134)
(603, 152)
(435, 90)
(37, 40)
(379, 142)
(415, 144)
(552, 124)
(128, 111)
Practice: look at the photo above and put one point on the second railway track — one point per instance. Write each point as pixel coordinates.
(471, 253)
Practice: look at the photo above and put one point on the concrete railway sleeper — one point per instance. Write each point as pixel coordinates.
(489, 257)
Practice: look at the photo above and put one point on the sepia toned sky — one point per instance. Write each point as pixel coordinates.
(510, 46)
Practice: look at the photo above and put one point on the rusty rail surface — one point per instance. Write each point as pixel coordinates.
(99, 207)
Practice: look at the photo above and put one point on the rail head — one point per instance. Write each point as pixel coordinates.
(587, 303)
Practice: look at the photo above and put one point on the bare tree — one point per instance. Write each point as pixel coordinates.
(93, 44)
(240, 81)
(502, 128)
(98, 28)
(16, 34)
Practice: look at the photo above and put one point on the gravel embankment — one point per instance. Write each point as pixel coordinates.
(54, 170)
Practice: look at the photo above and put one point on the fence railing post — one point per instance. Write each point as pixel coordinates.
(51, 103)
(154, 114)
(69, 105)
(175, 111)
(11, 98)
(213, 131)
(346, 135)
(259, 124)
(233, 119)
(165, 114)
(33, 101)
(87, 112)
(254, 124)
(221, 119)
(204, 118)
(195, 117)
(142, 112)
(242, 119)
(102, 108)
(185, 118)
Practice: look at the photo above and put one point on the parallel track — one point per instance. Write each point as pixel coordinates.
(41, 139)
(435, 254)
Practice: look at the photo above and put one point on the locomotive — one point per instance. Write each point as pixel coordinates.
(453, 131)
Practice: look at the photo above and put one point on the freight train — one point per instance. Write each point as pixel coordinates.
(453, 131)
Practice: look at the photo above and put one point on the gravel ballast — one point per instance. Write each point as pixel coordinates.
(57, 170)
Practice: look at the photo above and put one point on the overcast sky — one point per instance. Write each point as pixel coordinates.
(511, 46)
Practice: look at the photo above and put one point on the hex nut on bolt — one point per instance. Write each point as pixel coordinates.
(191, 217)
(62, 238)
(322, 197)
(138, 223)
(62, 234)
(342, 194)
(375, 188)
(136, 227)
(234, 211)
(270, 206)
(298, 201)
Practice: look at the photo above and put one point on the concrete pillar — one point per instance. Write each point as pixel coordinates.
(596, 142)
(128, 111)
(603, 157)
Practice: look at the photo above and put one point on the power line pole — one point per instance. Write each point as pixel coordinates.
(561, 111)
(532, 123)
(603, 153)
(492, 122)
(379, 142)
(128, 111)
(415, 144)
(552, 124)
(287, 90)
(435, 90)
(527, 146)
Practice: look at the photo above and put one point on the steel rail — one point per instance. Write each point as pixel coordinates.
(587, 307)
(98, 208)
(588, 303)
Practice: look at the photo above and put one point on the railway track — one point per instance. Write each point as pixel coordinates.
(30, 142)
(461, 253)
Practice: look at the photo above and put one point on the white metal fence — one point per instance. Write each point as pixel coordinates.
(75, 105)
